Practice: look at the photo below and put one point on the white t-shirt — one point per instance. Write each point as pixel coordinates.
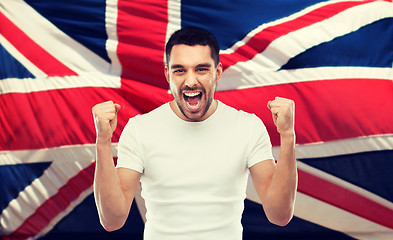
(194, 174)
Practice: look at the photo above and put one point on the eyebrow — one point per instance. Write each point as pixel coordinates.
(177, 66)
(203, 65)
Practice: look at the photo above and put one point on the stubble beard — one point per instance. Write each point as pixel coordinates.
(209, 99)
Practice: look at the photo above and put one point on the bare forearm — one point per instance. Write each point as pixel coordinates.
(280, 196)
(110, 200)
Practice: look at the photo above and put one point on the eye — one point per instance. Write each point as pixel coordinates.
(178, 71)
(202, 69)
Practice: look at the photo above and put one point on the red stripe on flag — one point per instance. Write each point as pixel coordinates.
(44, 214)
(325, 110)
(345, 199)
(260, 41)
(55, 118)
(141, 32)
(31, 50)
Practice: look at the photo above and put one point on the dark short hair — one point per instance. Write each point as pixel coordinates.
(192, 36)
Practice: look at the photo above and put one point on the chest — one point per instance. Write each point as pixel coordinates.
(211, 162)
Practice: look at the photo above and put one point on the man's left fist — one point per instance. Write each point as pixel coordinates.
(283, 111)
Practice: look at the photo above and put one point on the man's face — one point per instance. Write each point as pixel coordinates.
(192, 78)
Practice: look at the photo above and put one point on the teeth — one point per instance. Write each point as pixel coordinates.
(192, 94)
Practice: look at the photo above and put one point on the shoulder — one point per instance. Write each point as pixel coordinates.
(239, 115)
(156, 114)
(146, 120)
(243, 121)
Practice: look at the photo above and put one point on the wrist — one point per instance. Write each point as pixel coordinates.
(288, 136)
(103, 141)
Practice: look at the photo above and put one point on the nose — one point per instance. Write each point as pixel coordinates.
(191, 79)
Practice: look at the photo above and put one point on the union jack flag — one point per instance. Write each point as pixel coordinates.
(333, 58)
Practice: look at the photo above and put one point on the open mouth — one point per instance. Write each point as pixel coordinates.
(193, 100)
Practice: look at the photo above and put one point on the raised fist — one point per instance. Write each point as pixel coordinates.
(283, 111)
(105, 119)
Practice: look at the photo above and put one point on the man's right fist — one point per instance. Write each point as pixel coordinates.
(105, 119)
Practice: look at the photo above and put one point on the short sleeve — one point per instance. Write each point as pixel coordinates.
(261, 147)
(129, 152)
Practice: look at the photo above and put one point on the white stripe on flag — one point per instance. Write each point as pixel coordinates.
(27, 85)
(303, 151)
(342, 147)
(236, 78)
(62, 154)
(174, 19)
(112, 41)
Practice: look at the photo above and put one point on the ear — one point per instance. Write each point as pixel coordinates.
(219, 71)
(166, 71)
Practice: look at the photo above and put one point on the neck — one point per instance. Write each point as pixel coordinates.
(212, 108)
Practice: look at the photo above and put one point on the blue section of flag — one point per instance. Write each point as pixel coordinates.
(87, 24)
(84, 220)
(362, 48)
(232, 22)
(15, 178)
(10, 67)
(256, 225)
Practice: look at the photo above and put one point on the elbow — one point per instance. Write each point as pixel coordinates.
(112, 222)
(280, 217)
(281, 221)
(280, 213)
(112, 219)
(110, 227)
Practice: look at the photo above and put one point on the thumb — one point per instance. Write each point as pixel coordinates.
(117, 108)
(268, 105)
(113, 122)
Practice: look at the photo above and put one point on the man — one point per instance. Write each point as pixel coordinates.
(193, 154)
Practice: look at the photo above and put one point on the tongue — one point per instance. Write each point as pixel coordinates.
(193, 100)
